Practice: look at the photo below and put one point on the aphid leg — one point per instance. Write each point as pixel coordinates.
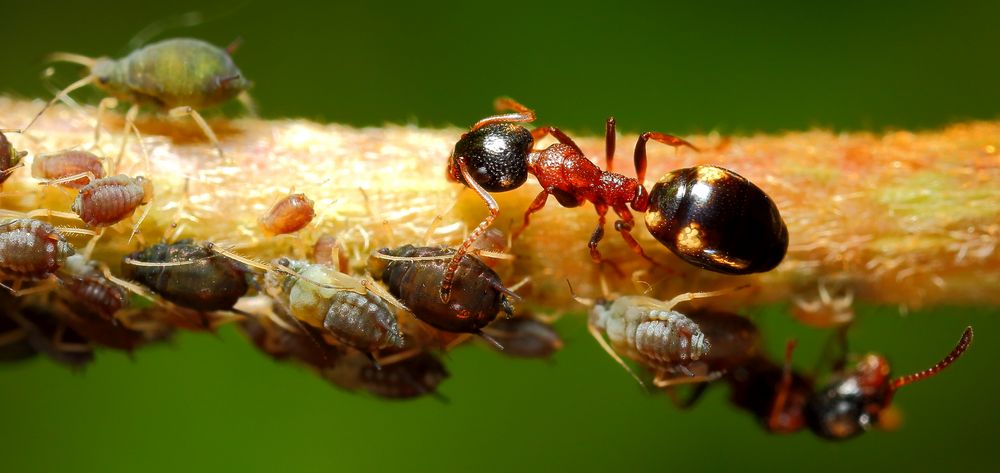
(522, 114)
(91, 244)
(62, 93)
(52, 214)
(640, 150)
(535, 206)
(89, 175)
(135, 227)
(12, 336)
(133, 111)
(689, 296)
(400, 356)
(662, 381)
(692, 398)
(248, 103)
(188, 111)
(596, 333)
(62, 346)
(494, 209)
(130, 286)
(775, 420)
(624, 227)
(541, 132)
(371, 358)
(380, 291)
(102, 106)
(45, 286)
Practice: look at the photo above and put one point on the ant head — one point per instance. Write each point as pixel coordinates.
(846, 407)
(495, 154)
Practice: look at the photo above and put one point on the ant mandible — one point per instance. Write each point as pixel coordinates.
(708, 216)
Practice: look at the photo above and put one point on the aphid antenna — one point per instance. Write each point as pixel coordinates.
(379, 291)
(51, 182)
(76, 231)
(963, 344)
(690, 296)
(62, 93)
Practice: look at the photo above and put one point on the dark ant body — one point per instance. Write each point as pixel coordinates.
(851, 403)
(189, 275)
(710, 217)
(413, 274)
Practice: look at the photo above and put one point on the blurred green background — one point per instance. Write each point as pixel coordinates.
(215, 404)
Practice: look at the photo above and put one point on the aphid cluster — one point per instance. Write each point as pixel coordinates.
(382, 332)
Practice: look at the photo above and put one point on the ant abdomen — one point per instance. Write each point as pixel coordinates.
(496, 156)
(718, 220)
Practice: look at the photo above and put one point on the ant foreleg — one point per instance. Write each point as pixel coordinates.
(624, 227)
(535, 206)
(491, 204)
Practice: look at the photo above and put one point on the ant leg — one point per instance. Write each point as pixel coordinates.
(491, 204)
(624, 227)
(522, 114)
(609, 143)
(535, 206)
(775, 420)
(543, 131)
(640, 149)
(188, 111)
(598, 234)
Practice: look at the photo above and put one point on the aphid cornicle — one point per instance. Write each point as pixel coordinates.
(205, 282)
(477, 297)
(107, 201)
(31, 249)
(65, 164)
(10, 158)
(180, 75)
(348, 311)
(288, 215)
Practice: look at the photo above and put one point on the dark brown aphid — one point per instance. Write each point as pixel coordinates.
(343, 305)
(10, 158)
(204, 282)
(735, 340)
(57, 167)
(412, 377)
(525, 337)
(31, 249)
(107, 201)
(90, 289)
(49, 335)
(478, 294)
(288, 215)
(282, 344)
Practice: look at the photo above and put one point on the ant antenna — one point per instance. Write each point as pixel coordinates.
(775, 419)
(959, 349)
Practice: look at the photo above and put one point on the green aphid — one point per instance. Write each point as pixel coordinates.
(178, 75)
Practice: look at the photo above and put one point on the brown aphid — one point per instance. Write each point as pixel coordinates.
(735, 341)
(68, 163)
(477, 295)
(49, 335)
(288, 215)
(282, 344)
(525, 337)
(31, 249)
(90, 289)
(107, 201)
(416, 376)
(10, 158)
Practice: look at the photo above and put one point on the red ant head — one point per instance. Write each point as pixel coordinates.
(496, 155)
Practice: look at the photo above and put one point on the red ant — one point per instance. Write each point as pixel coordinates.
(710, 217)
